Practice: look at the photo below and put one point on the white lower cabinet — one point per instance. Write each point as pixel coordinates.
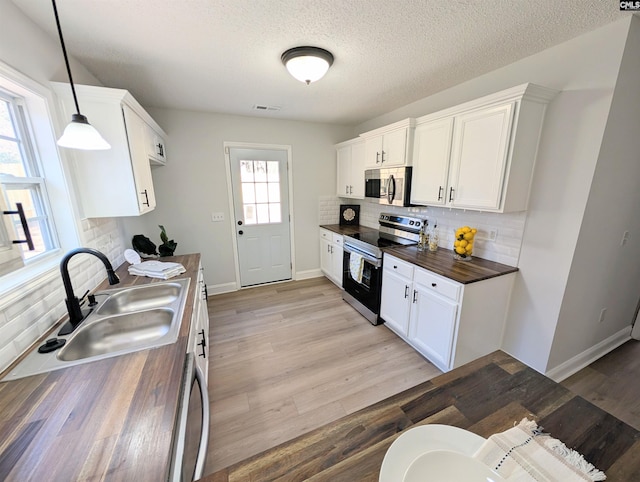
(447, 322)
(331, 253)
(200, 325)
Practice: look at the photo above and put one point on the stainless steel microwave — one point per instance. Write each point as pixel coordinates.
(390, 186)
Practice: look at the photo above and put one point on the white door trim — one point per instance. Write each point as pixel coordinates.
(234, 237)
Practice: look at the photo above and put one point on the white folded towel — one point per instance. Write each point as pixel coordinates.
(156, 269)
(356, 266)
(524, 453)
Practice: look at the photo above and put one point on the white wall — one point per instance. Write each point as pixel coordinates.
(585, 69)
(193, 184)
(603, 273)
(29, 311)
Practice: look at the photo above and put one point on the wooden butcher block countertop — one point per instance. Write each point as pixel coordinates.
(442, 262)
(110, 419)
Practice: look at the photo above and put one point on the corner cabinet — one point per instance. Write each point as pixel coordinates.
(331, 254)
(447, 322)
(480, 155)
(115, 182)
(200, 326)
(389, 146)
(350, 169)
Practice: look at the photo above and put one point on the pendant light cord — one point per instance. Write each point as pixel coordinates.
(66, 59)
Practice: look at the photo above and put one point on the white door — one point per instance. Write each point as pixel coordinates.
(261, 206)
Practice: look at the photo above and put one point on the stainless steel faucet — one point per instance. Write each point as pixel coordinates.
(73, 304)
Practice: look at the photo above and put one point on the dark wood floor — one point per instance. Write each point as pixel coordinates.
(289, 358)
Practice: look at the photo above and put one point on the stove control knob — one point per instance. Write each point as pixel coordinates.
(417, 224)
(411, 223)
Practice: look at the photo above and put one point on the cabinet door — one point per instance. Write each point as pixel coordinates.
(336, 263)
(432, 326)
(325, 257)
(357, 170)
(479, 157)
(156, 147)
(343, 169)
(394, 148)
(373, 152)
(137, 138)
(431, 153)
(395, 302)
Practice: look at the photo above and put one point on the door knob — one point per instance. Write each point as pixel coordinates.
(239, 223)
(241, 232)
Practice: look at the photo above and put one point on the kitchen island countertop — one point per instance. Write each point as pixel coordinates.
(111, 419)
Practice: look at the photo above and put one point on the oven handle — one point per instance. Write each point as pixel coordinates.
(374, 261)
(204, 434)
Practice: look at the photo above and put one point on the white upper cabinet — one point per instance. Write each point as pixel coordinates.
(389, 146)
(350, 169)
(432, 147)
(118, 181)
(480, 155)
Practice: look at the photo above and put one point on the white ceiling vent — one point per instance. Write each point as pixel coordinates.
(264, 108)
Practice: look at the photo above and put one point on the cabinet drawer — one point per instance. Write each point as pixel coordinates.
(398, 266)
(436, 283)
(337, 239)
(326, 234)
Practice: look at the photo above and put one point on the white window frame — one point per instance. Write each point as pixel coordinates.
(39, 105)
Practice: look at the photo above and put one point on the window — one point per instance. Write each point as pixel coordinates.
(21, 179)
(260, 192)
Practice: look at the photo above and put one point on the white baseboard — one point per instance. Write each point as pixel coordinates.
(308, 274)
(581, 360)
(221, 288)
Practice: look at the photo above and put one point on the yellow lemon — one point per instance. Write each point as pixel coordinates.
(474, 230)
(466, 229)
(456, 243)
(460, 250)
(463, 243)
(468, 236)
(469, 248)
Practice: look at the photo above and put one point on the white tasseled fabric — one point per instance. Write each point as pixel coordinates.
(523, 454)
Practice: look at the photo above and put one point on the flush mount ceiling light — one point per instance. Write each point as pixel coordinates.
(79, 134)
(307, 64)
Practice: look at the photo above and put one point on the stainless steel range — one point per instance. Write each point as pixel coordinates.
(362, 262)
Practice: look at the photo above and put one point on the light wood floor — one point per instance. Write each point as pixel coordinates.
(612, 383)
(290, 357)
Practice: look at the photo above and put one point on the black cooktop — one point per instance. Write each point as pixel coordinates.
(380, 239)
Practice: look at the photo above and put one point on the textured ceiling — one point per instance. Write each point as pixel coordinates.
(224, 56)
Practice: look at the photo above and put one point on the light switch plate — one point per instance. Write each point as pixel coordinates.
(217, 217)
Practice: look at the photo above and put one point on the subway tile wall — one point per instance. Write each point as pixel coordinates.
(508, 227)
(28, 312)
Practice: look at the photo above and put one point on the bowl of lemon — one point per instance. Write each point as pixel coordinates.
(463, 243)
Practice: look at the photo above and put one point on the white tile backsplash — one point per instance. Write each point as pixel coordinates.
(28, 312)
(509, 226)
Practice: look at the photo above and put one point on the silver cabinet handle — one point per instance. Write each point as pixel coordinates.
(415, 294)
(406, 292)
(451, 194)
(377, 157)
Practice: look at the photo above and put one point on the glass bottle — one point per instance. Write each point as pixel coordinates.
(433, 238)
(423, 240)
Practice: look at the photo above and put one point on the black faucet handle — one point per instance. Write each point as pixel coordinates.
(92, 300)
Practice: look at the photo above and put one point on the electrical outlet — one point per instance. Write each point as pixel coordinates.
(602, 314)
(217, 217)
(487, 235)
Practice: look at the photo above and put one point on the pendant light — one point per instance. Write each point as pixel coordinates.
(79, 134)
(307, 64)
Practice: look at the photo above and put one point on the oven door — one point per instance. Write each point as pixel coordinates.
(367, 290)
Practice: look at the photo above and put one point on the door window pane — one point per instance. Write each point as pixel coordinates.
(260, 191)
